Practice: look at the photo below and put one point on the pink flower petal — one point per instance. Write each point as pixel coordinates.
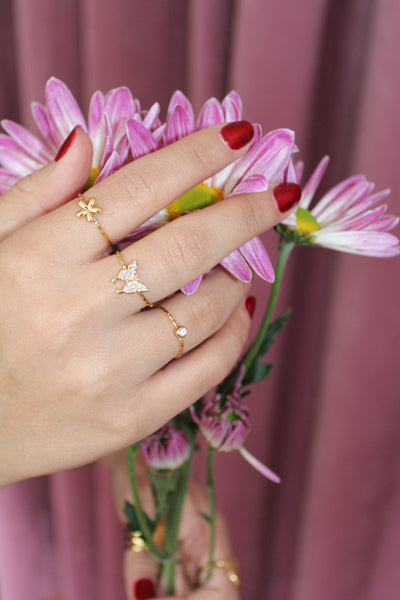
(6, 180)
(14, 160)
(63, 110)
(361, 221)
(27, 141)
(119, 107)
(191, 287)
(232, 107)
(96, 111)
(112, 165)
(210, 114)
(179, 124)
(259, 466)
(367, 243)
(341, 195)
(269, 157)
(40, 115)
(254, 183)
(140, 139)
(152, 116)
(313, 183)
(257, 257)
(237, 266)
(179, 99)
(385, 223)
(107, 143)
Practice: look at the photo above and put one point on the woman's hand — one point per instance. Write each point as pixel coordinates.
(83, 372)
(141, 569)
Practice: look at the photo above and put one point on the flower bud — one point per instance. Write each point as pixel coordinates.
(224, 427)
(166, 449)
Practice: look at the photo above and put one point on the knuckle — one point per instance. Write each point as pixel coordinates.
(198, 154)
(217, 368)
(134, 187)
(26, 185)
(84, 380)
(250, 215)
(208, 313)
(238, 330)
(187, 245)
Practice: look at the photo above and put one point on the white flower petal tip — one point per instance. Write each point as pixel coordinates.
(259, 466)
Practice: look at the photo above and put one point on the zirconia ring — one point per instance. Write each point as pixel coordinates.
(229, 564)
(179, 330)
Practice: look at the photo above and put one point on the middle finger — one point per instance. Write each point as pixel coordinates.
(185, 249)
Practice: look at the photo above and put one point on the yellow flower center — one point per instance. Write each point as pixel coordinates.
(200, 196)
(94, 171)
(305, 222)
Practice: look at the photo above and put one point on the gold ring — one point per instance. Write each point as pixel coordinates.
(179, 330)
(230, 566)
(127, 274)
(134, 541)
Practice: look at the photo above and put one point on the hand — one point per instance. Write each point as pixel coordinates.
(83, 372)
(140, 569)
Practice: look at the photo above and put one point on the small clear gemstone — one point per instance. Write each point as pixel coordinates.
(181, 331)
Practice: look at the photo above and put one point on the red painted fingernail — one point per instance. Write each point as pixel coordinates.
(66, 144)
(237, 134)
(144, 589)
(250, 305)
(286, 195)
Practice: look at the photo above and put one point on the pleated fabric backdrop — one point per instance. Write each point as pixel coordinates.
(328, 419)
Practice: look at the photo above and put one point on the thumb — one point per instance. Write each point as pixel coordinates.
(50, 187)
(140, 574)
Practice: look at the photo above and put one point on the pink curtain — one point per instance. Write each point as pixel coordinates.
(328, 418)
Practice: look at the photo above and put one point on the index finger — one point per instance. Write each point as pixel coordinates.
(142, 188)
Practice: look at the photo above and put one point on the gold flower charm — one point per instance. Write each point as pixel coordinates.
(88, 209)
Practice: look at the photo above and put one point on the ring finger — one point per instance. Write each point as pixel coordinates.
(201, 315)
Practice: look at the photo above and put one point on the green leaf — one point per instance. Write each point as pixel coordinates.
(133, 523)
(273, 330)
(259, 370)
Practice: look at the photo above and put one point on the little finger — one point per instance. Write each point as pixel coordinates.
(184, 381)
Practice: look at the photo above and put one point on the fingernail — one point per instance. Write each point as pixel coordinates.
(66, 144)
(144, 589)
(237, 134)
(286, 195)
(250, 305)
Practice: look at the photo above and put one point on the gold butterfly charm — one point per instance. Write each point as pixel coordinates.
(132, 283)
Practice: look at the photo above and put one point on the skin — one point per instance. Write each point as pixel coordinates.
(83, 372)
(193, 541)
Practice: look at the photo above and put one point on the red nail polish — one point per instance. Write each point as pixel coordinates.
(237, 134)
(66, 144)
(250, 305)
(144, 589)
(286, 195)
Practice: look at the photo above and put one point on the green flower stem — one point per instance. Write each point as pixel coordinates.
(172, 523)
(211, 496)
(284, 252)
(147, 535)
